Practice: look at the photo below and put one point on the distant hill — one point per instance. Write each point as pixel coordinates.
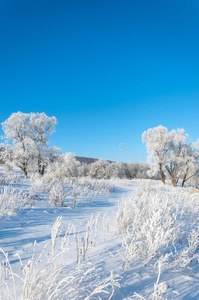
(86, 160)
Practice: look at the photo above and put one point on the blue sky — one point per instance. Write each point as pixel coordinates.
(107, 69)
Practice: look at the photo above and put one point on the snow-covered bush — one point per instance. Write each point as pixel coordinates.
(98, 186)
(57, 194)
(13, 178)
(12, 201)
(70, 190)
(10, 178)
(188, 255)
(154, 221)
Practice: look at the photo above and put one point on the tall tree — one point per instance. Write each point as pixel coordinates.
(27, 139)
(174, 158)
(168, 151)
(190, 167)
(17, 131)
(41, 127)
(158, 143)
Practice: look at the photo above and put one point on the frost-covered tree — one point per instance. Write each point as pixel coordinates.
(157, 141)
(117, 170)
(71, 165)
(41, 127)
(100, 169)
(17, 131)
(26, 140)
(174, 157)
(64, 166)
(167, 151)
(190, 166)
(139, 170)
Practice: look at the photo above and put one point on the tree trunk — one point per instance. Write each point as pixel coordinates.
(39, 163)
(162, 174)
(42, 170)
(25, 173)
(183, 181)
(174, 181)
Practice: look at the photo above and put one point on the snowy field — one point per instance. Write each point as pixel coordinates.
(97, 239)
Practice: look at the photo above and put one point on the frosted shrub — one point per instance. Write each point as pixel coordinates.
(106, 226)
(36, 186)
(11, 201)
(153, 222)
(84, 188)
(99, 186)
(13, 178)
(66, 190)
(37, 181)
(57, 194)
(85, 241)
(10, 178)
(143, 189)
(55, 232)
(189, 255)
(75, 189)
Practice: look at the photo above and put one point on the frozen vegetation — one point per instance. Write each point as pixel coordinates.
(84, 238)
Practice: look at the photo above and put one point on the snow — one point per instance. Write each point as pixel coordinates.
(93, 223)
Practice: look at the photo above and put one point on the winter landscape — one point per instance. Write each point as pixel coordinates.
(99, 150)
(72, 230)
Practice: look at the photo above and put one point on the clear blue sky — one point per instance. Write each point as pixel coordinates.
(107, 69)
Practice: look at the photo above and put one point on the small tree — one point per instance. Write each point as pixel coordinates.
(64, 166)
(100, 169)
(117, 170)
(71, 165)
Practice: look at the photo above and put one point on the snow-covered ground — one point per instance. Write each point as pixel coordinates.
(135, 239)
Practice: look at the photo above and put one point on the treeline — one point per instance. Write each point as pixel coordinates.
(68, 166)
(27, 147)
